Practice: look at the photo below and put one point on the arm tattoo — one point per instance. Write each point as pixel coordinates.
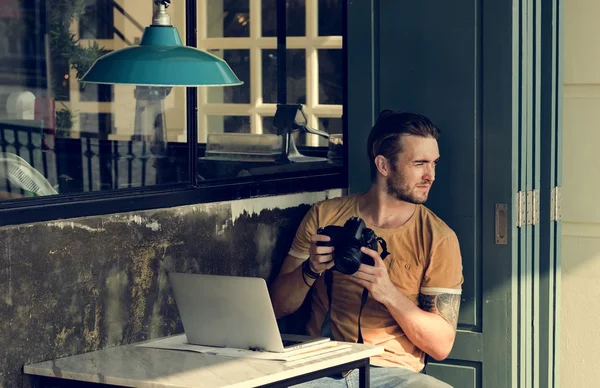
(445, 305)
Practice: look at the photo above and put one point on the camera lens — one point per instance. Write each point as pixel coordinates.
(348, 260)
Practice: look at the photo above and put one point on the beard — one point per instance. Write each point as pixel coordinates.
(403, 192)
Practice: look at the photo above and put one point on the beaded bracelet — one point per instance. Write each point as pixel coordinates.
(308, 271)
(305, 282)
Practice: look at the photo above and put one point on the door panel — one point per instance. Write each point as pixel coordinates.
(488, 74)
(434, 63)
(549, 162)
(430, 64)
(455, 62)
(465, 375)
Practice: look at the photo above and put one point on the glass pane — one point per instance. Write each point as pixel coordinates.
(228, 124)
(52, 135)
(97, 21)
(330, 18)
(331, 86)
(296, 76)
(268, 128)
(101, 124)
(228, 18)
(228, 149)
(295, 18)
(61, 79)
(331, 125)
(239, 61)
(95, 92)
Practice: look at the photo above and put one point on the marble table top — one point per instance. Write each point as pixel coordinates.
(137, 366)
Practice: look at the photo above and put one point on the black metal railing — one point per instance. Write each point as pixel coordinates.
(90, 162)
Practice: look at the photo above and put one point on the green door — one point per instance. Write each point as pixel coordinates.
(475, 68)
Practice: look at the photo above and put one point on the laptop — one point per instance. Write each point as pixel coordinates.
(232, 312)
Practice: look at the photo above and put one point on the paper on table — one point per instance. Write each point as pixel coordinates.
(179, 342)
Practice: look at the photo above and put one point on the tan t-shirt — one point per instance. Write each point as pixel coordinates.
(424, 258)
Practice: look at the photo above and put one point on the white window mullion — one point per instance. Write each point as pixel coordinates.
(202, 116)
(228, 43)
(74, 93)
(265, 109)
(255, 19)
(312, 92)
(297, 42)
(227, 109)
(255, 65)
(255, 43)
(312, 19)
(327, 42)
(202, 24)
(327, 110)
(256, 91)
(256, 123)
(74, 102)
(312, 69)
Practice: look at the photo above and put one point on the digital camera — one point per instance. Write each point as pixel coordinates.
(347, 241)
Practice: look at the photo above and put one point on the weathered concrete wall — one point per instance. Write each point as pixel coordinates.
(74, 286)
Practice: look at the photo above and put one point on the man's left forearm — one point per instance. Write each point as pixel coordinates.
(427, 330)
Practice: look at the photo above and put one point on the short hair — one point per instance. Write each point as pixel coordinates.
(384, 138)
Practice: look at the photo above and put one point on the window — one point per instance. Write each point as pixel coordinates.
(244, 33)
(61, 138)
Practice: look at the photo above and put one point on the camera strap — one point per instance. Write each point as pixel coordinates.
(326, 326)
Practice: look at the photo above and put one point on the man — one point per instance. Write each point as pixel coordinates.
(414, 293)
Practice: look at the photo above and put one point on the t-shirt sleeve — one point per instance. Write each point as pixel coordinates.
(444, 272)
(308, 227)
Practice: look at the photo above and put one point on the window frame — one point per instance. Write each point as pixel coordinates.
(63, 206)
(256, 109)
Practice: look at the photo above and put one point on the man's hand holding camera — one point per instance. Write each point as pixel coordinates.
(321, 257)
(375, 278)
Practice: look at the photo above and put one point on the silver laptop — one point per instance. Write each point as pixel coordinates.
(233, 312)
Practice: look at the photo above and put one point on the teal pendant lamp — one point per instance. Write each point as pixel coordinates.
(161, 60)
(157, 64)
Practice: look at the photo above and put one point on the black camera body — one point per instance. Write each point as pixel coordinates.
(347, 241)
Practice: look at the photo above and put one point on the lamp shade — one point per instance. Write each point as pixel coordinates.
(161, 60)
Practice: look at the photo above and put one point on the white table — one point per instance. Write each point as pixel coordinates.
(136, 366)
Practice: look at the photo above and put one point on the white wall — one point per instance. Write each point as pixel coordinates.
(580, 300)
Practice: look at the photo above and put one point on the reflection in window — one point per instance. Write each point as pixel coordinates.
(98, 123)
(295, 21)
(61, 78)
(233, 116)
(96, 92)
(330, 17)
(57, 136)
(228, 18)
(331, 86)
(295, 75)
(239, 61)
(331, 125)
(97, 21)
(319, 90)
(268, 127)
(229, 124)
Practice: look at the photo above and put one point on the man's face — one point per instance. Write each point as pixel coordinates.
(413, 171)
